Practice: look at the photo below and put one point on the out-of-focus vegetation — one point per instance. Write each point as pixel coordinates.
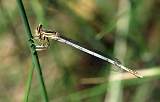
(125, 29)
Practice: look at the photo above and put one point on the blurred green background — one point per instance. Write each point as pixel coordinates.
(125, 29)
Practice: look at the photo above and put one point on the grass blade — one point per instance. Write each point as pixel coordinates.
(28, 84)
(33, 50)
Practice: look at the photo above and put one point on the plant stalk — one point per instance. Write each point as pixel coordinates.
(34, 54)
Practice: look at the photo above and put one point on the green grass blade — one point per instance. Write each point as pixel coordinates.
(33, 50)
(28, 84)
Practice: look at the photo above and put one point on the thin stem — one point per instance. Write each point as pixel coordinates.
(33, 50)
(28, 84)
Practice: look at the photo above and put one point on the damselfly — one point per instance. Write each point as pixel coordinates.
(44, 35)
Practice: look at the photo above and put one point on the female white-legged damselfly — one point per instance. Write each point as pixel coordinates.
(44, 35)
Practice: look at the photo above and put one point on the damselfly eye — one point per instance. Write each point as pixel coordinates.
(39, 28)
